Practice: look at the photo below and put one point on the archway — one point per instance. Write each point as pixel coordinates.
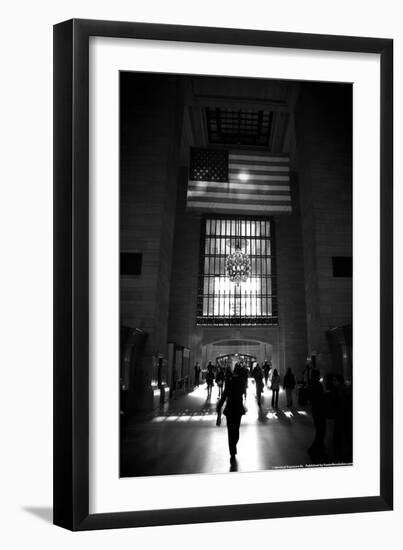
(257, 349)
(230, 360)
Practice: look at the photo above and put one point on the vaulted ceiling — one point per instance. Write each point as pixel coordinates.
(239, 113)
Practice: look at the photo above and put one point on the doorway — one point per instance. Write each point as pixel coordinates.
(233, 358)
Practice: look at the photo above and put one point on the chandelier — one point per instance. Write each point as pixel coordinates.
(237, 265)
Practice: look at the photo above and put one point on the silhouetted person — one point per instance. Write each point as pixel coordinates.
(266, 371)
(209, 382)
(234, 409)
(308, 372)
(219, 380)
(228, 374)
(197, 370)
(244, 374)
(289, 385)
(275, 387)
(318, 406)
(341, 399)
(210, 367)
(257, 374)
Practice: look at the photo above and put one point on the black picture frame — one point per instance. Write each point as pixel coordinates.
(71, 274)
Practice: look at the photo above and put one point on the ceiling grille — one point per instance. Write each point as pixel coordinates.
(239, 126)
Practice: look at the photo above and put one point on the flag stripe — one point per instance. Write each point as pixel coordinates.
(245, 186)
(247, 175)
(233, 206)
(250, 197)
(255, 177)
(234, 200)
(282, 191)
(228, 187)
(233, 167)
(260, 177)
(257, 158)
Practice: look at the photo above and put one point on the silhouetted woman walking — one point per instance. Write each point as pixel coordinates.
(209, 382)
(275, 386)
(257, 374)
(219, 380)
(318, 406)
(234, 409)
(289, 385)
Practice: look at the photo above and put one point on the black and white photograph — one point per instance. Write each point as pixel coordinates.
(202, 251)
(236, 264)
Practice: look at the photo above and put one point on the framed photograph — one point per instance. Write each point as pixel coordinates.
(223, 293)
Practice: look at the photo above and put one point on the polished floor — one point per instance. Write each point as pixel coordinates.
(182, 437)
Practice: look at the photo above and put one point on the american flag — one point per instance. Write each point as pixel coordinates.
(239, 181)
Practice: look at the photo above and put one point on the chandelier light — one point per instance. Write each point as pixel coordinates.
(237, 264)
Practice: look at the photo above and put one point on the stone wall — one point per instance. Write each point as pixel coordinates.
(151, 122)
(324, 160)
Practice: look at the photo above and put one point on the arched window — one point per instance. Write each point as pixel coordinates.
(223, 302)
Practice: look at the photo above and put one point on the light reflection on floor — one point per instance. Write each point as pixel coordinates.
(182, 437)
(204, 417)
(207, 412)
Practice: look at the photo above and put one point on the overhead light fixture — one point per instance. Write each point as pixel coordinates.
(237, 264)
